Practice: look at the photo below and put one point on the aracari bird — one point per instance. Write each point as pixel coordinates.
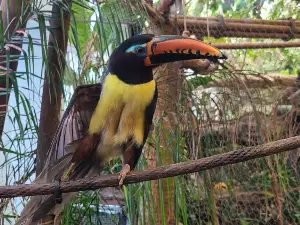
(113, 119)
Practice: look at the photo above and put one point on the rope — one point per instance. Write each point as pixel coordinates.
(185, 32)
(191, 166)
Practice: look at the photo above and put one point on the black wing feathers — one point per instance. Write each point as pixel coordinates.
(149, 114)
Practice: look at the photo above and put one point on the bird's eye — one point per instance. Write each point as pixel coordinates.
(140, 50)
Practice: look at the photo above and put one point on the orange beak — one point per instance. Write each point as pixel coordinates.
(170, 48)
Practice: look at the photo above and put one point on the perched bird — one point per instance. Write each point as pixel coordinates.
(113, 119)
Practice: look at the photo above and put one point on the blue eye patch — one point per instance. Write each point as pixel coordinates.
(139, 50)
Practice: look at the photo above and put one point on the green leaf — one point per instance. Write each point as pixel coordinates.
(81, 30)
(11, 152)
(198, 81)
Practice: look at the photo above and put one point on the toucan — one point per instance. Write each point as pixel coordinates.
(112, 119)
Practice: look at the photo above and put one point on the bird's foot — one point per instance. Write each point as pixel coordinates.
(125, 170)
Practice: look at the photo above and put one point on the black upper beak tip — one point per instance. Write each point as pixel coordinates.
(223, 56)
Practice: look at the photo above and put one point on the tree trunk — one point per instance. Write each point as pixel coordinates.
(168, 84)
(52, 90)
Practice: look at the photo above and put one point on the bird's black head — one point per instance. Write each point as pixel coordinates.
(127, 61)
(135, 58)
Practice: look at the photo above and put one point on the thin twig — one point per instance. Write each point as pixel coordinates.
(93, 183)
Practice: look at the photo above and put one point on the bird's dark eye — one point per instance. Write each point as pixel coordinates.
(140, 50)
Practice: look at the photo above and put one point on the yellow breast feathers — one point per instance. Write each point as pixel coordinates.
(121, 110)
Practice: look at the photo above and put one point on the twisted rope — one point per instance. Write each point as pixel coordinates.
(93, 183)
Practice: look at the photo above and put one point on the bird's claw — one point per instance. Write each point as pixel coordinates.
(125, 170)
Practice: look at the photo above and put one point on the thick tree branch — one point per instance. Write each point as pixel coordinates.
(249, 81)
(165, 6)
(199, 66)
(172, 170)
(150, 2)
(243, 27)
(282, 22)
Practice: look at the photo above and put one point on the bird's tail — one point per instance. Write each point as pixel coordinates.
(40, 205)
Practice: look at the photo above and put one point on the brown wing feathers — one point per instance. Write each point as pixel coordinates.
(69, 135)
(75, 121)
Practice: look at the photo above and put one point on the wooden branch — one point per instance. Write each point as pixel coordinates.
(284, 29)
(250, 81)
(172, 170)
(153, 14)
(165, 6)
(247, 27)
(286, 22)
(150, 2)
(295, 97)
(199, 66)
(217, 33)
